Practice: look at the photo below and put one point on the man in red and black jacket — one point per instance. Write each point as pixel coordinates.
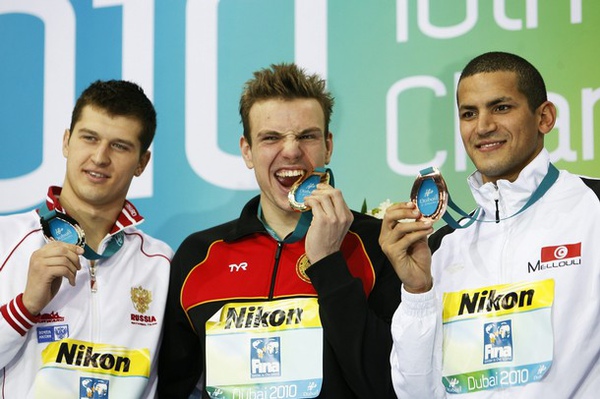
(280, 302)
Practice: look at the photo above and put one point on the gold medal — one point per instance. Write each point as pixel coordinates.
(305, 186)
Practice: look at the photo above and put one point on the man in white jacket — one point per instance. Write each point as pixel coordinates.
(506, 306)
(82, 289)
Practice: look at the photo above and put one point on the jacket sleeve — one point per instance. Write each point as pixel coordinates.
(15, 322)
(356, 327)
(180, 363)
(416, 353)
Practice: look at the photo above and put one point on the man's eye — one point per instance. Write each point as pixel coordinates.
(121, 147)
(503, 107)
(467, 115)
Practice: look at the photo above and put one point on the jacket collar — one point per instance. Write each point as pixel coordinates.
(129, 215)
(248, 222)
(511, 196)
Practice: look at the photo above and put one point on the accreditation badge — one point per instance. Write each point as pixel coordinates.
(497, 337)
(271, 349)
(305, 186)
(80, 369)
(430, 194)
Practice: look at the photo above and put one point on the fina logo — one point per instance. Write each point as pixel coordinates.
(95, 388)
(265, 359)
(497, 342)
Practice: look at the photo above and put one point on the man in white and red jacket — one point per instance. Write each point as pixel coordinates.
(506, 306)
(82, 289)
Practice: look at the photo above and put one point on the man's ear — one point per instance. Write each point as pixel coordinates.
(65, 143)
(144, 159)
(246, 150)
(328, 147)
(547, 115)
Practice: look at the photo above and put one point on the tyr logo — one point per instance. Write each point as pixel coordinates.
(233, 267)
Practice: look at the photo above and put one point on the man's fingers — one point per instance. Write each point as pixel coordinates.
(399, 212)
(324, 197)
(57, 260)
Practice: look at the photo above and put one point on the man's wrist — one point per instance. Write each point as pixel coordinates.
(27, 306)
(419, 289)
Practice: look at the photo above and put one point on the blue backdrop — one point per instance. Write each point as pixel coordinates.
(391, 64)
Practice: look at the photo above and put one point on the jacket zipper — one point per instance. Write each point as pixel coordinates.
(277, 256)
(94, 323)
(93, 281)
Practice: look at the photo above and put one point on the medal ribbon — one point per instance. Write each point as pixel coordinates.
(306, 217)
(544, 186)
(115, 243)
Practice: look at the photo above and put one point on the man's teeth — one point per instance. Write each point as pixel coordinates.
(290, 173)
(489, 145)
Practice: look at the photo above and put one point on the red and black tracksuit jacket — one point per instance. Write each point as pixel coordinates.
(357, 290)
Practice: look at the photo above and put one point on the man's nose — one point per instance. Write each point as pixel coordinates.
(291, 145)
(485, 123)
(101, 155)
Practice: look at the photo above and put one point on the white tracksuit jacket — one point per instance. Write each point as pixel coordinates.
(555, 239)
(99, 344)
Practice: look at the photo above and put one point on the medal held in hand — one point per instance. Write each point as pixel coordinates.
(58, 226)
(61, 227)
(430, 194)
(305, 186)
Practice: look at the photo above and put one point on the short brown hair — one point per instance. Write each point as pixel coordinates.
(119, 98)
(286, 81)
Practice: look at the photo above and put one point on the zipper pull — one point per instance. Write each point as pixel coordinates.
(93, 281)
(497, 201)
(497, 212)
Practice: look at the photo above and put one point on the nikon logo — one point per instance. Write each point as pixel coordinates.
(489, 301)
(84, 356)
(253, 317)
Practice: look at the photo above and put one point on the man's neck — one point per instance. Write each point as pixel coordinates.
(281, 222)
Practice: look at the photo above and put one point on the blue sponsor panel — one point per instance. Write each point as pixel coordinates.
(52, 333)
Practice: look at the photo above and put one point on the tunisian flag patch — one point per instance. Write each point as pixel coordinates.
(561, 252)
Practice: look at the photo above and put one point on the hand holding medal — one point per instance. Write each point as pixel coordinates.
(52, 262)
(58, 226)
